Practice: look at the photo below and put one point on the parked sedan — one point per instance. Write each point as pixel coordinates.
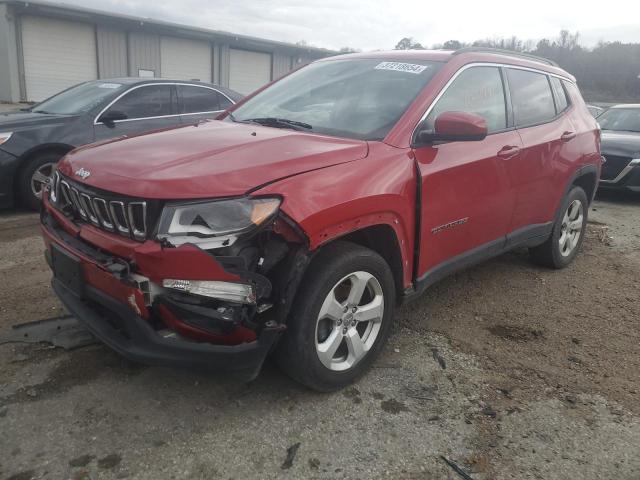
(621, 147)
(33, 140)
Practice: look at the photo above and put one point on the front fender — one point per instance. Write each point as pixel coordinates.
(332, 202)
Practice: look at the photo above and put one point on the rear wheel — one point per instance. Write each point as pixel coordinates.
(567, 234)
(341, 318)
(34, 178)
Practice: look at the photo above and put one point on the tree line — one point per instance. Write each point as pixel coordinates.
(608, 72)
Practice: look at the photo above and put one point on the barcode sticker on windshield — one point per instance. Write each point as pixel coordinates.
(401, 67)
(109, 85)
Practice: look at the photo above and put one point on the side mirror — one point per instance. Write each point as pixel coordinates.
(455, 127)
(109, 117)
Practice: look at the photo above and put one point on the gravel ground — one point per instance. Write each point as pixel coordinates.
(9, 107)
(509, 370)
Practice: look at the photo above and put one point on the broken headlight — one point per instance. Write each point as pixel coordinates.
(214, 224)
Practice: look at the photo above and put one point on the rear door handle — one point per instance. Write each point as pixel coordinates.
(566, 136)
(508, 151)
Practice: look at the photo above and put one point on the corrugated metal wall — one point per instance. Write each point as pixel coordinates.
(215, 63)
(9, 70)
(121, 48)
(281, 65)
(112, 52)
(224, 65)
(144, 53)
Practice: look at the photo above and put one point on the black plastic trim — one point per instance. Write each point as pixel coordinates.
(528, 236)
(138, 341)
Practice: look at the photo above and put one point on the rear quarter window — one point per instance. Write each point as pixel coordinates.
(531, 97)
(562, 102)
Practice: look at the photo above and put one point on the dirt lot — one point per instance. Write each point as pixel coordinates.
(509, 370)
(9, 107)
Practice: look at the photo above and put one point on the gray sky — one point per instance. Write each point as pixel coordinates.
(379, 24)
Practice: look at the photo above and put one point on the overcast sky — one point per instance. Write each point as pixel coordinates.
(379, 24)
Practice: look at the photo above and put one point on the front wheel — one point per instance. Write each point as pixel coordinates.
(568, 232)
(341, 318)
(35, 177)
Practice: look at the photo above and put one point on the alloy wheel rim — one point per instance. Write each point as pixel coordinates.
(571, 228)
(40, 178)
(349, 321)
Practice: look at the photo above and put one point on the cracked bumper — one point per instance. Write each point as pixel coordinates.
(133, 337)
(116, 312)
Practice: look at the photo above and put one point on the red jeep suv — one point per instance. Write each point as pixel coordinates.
(296, 223)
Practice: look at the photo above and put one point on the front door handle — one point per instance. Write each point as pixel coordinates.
(566, 136)
(508, 151)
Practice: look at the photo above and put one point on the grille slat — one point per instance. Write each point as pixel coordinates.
(119, 215)
(75, 198)
(103, 214)
(138, 219)
(128, 217)
(88, 207)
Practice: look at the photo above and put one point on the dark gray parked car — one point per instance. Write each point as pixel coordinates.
(621, 147)
(33, 140)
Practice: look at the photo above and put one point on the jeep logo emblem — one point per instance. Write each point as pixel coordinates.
(83, 173)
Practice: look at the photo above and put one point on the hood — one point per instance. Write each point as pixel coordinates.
(210, 159)
(624, 144)
(15, 121)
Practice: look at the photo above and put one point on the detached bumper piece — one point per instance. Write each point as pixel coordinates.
(134, 338)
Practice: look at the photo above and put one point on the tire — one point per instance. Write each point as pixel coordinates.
(568, 232)
(34, 172)
(339, 269)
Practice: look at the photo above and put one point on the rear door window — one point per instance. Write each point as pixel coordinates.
(531, 97)
(561, 96)
(477, 90)
(145, 102)
(201, 99)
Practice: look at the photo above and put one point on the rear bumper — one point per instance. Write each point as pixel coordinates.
(133, 337)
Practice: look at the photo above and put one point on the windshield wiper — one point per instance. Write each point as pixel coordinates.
(279, 123)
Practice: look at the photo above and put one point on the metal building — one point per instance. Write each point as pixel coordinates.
(46, 47)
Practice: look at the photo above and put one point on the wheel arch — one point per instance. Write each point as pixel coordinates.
(382, 239)
(26, 157)
(586, 177)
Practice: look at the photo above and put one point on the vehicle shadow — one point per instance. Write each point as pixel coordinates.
(619, 196)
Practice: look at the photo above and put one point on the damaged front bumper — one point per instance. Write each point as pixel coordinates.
(120, 299)
(133, 337)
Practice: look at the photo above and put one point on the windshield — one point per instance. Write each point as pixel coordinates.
(78, 99)
(360, 98)
(622, 119)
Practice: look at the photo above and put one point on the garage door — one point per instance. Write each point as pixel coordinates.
(57, 55)
(248, 70)
(182, 59)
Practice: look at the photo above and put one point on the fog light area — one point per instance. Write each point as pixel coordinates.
(233, 292)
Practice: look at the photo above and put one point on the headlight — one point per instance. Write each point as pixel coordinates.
(214, 224)
(4, 136)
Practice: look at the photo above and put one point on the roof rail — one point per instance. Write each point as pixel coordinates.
(502, 51)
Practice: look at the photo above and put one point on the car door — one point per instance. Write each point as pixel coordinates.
(547, 133)
(140, 109)
(197, 102)
(466, 204)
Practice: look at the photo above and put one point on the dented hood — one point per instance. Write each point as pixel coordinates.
(211, 159)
